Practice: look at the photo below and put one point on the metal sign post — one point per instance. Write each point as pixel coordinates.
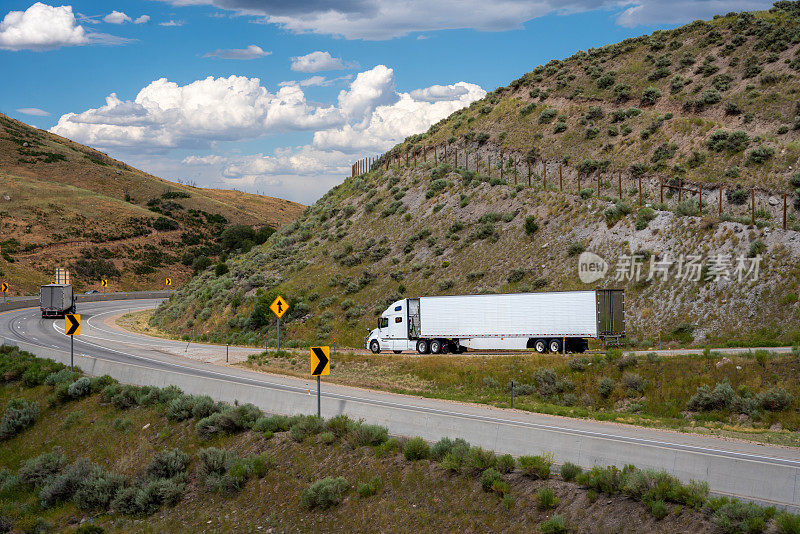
(72, 328)
(279, 307)
(320, 365)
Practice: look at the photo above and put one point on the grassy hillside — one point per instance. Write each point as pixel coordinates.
(90, 455)
(441, 227)
(63, 204)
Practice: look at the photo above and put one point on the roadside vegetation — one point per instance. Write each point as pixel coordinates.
(753, 396)
(102, 456)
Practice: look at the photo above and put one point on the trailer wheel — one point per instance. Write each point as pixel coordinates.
(446, 348)
(436, 346)
(540, 345)
(555, 346)
(422, 346)
(374, 346)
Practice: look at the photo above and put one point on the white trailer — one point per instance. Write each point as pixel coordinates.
(558, 321)
(55, 300)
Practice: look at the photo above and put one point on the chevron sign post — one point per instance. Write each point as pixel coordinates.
(320, 365)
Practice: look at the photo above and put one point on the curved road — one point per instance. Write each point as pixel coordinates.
(763, 473)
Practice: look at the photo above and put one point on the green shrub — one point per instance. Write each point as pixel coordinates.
(788, 523)
(531, 226)
(546, 498)
(505, 463)
(370, 488)
(416, 449)
(603, 479)
(536, 467)
(80, 388)
(339, 425)
(775, 399)
(308, 425)
(658, 509)
(735, 516)
(650, 96)
(547, 115)
(760, 155)
(605, 386)
(575, 248)
(180, 408)
(479, 459)
(586, 193)
(489, 477)
(554, 525)
(570, 471)
(98, 490)
(365, 435)
(324, 493)
(446, 445)
(64, 376)
(167, 464)
(19, 415)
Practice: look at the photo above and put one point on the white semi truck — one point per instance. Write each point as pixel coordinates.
(557, 321)
(55, 300)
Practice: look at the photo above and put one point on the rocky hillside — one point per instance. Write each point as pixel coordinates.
(63, 204)
(673, 152)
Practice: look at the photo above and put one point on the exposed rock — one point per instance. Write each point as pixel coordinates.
(773, 201)
(723, 361)
(776, 427)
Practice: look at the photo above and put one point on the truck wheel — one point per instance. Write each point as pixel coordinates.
(422, 346)
(436, 346)
(540, 345)
(374, 346)
(555, 346)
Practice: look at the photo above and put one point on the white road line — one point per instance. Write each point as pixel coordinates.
(509, 422)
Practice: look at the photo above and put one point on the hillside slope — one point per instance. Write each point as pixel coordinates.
(425, 221)
(67, 205)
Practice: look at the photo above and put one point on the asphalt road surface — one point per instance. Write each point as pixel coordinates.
(763, 473)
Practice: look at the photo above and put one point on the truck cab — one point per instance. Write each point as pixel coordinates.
(394, 332)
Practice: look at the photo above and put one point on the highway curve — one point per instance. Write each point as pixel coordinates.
(763, 473)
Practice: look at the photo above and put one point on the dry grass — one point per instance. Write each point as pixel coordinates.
(418, 496)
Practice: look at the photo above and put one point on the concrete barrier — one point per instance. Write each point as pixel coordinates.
(17, 303)
(763, 480)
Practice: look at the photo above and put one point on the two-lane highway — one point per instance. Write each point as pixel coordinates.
(763, 473)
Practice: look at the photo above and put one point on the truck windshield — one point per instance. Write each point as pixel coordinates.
(383, 322)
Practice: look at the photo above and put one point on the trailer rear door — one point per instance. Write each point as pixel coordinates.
(610, 313)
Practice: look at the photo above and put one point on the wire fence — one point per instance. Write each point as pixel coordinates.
(757, 206)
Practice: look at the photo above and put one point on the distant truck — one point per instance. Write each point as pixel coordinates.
(56, 300)
(558, 321)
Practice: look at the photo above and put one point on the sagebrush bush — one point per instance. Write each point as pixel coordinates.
(325, 493)
(416, 449)
(505, 463)
(309, 425)
(546, 498)
(80, 388)
(489, 477)
(479, 459)
(536, 467)
(370, 488)
(364, 434)
(37, 471)
(554, 525)
(570, 471)
(19, 415)
(167, 464)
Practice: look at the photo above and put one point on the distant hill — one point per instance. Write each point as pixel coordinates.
(63, 204)
(709, 106)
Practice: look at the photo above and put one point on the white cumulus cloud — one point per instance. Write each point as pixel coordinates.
(41, 27)
(368, 117)
(316, 62)
(116, 17)
(251, 52)
(172, 23)
(143, 19)
(653, 12)
(167, 115)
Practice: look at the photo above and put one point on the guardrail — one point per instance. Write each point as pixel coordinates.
(17, 303)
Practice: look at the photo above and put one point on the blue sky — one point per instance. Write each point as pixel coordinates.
(279, 97)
